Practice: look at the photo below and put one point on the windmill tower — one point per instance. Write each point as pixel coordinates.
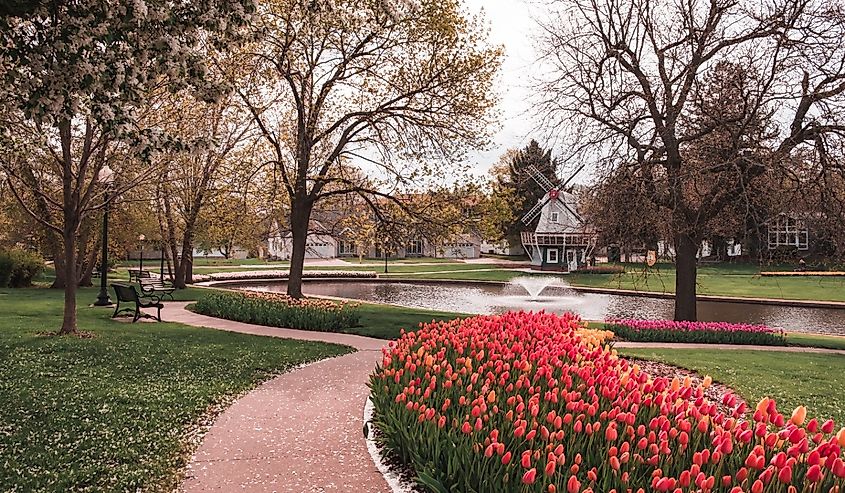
(562, 240)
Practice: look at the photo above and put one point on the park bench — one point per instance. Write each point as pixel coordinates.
(127, 294)
(156, 286)
(137, 275)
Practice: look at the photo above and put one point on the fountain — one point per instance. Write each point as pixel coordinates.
(535, 285)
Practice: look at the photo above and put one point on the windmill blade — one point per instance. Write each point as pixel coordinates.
(571, 211)
(540, 178)
(563, 185)
(534, 211)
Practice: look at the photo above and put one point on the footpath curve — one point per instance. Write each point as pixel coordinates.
(298, 432)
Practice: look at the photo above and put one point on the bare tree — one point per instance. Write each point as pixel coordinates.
(395, 86)
(624, 77)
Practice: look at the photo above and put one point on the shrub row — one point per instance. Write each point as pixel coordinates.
(526, 402)
(695, 332)
(282, 274)
(19, 267)
(279, 310)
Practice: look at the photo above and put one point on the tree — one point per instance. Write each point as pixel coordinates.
(514, 182)
(391, 85)
(626, 83)
(75, 74)
(219, 136)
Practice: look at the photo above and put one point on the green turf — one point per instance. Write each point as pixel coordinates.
(815, 340)
(741, 280)
(386, 321)
(113, 413)
(813, 380)
(499, 275)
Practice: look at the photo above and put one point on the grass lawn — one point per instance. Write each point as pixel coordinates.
(385, 321)
(113, 413)
(501, 275)
(720, 279)
(815, 340)
(814, 380)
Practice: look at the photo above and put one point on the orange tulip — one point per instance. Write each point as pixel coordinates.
(799, 415)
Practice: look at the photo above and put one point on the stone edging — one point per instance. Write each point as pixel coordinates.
(393, 480)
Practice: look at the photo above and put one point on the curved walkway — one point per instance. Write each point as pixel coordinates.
(299, 432)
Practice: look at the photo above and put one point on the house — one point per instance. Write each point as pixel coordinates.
(561, 241)
(501, 247)
(319, 243)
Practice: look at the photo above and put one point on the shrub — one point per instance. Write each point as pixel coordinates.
(278, 310)
(523, 402)
(701, 332)
(19, 267)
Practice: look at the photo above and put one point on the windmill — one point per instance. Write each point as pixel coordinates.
(552, 192)
(556, 244)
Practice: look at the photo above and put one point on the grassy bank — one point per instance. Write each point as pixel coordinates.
(720, 280)
(814, 380)
(114, 413)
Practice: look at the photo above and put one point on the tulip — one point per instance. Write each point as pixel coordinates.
(529, 476)
(798, 415)
(573, 485)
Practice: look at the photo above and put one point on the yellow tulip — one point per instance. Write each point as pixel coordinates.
(707, 381)
(840, 437)
(676, 384)
(687, 382)
(799, 415)
(763, 404)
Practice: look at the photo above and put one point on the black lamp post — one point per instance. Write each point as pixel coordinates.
(106, 177)
(141, 239)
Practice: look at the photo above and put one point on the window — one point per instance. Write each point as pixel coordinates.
(551, 256)
(555, 216)
(346, 248)
(415, 248)
(788, 231)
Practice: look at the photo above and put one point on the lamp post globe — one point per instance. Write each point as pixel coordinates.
(106, 178)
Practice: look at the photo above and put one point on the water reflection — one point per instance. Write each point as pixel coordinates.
(498, 299)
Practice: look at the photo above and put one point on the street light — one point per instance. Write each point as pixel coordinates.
(106, 178)
(141, 239)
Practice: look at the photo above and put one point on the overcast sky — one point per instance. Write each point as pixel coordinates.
(512, 26)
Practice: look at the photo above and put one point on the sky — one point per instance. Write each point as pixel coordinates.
(512, 26)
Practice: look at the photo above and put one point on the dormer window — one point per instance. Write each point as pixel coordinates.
(555, 216)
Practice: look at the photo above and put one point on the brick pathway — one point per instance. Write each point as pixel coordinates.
(299, 432)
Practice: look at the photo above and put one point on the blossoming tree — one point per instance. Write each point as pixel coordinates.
(73, 76)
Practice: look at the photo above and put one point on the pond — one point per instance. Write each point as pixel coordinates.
(497, 298)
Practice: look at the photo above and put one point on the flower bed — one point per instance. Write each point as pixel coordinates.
(526, 402)
(279, 310)
(706, 332)
(283, 274)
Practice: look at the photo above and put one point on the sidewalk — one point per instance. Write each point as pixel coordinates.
(299, 432)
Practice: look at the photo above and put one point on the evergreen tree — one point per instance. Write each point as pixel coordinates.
(516, 182)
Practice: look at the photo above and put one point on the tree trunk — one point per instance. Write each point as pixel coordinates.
(69, 272)
(183, 266)
(59, 267)
(685, 278)
(299, 216)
